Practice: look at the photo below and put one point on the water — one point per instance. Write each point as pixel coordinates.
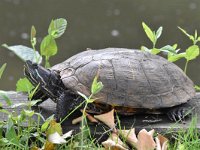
(95, 24)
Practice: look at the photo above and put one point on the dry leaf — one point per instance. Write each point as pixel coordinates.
(77, 120)
(145, 140)
(91, 118)
(151, 132)
(56, 138)
(114, 143)
(111, 145)
(161, 142)
(54, 127)
(130, 136)
(107, 118)
(68, 134)
(49, 146)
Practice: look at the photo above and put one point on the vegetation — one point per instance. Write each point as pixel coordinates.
(21, 131)
(172, 52)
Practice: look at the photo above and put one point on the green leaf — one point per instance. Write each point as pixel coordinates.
(198, 39)
(24, 85)
(155, 51)
(54, 127)
(169, 48)
(32, 92)
(96, 86)
(33, 34)
(11, 134)
(18, 105)
(6, 98)
(34, 102)
(83, 95)
(90, 100)
(25, 53)
(192, 52)
(159, 32)
(48, 46)
(175, 46)
(5, 111)
(45, 125)
(57, 27)
(174, 57)
(143, 48)
(149, 32)
(197, 88)
(188, 35)
(195, 34)
(28, 113)
(2, 69)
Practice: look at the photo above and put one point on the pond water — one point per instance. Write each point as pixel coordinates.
(95, 24)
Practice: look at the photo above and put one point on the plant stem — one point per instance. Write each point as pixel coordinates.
(72, 112)
(83, 125)
(84, 121)
(47, 64)
(186, 64)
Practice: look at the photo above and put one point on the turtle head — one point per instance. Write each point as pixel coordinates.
(48, 80)
(36, 73)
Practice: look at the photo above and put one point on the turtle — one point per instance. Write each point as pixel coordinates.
(134, 82)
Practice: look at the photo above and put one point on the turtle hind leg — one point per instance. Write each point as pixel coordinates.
(180, 112)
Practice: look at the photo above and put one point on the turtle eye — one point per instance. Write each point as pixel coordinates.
(35, 66)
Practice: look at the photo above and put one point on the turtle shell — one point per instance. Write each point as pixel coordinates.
(131, 78)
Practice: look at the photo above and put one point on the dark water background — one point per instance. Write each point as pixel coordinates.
(95, 24)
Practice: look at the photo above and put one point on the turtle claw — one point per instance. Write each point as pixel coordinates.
(179, 113)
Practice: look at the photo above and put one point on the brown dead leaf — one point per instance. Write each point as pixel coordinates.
(77, 120)
(130, 136)
(107, 118)
(91, 118)
(145, 140)
(111, 145)
(49, 146)
(161, 142)
(114, 143)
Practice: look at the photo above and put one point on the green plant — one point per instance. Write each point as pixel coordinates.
(85, 142)
(2, 69)
(48, 46)
(191, 53)
(18, 136)
(153, 36)
(186, 139)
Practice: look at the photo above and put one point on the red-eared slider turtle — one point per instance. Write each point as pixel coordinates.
(134, 82)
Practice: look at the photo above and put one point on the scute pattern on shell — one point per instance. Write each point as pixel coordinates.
(131, 78)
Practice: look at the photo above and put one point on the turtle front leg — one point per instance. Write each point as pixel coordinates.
(65, 104)
(178, 113)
